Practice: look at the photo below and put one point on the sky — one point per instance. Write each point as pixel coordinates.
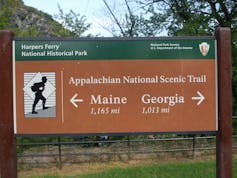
(93, 10)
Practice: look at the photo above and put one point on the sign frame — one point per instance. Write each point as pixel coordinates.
(131, 40)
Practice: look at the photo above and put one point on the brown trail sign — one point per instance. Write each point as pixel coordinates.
(115, 86)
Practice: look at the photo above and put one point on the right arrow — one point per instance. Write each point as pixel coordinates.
(200, 97)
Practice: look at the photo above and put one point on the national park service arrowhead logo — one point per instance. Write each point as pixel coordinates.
(204, 48)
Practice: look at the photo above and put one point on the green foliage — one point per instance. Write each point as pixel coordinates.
(234, 71)
(70, 24)
(5, 16)
(74, 23)
(234, 125)
(30, 31)
(6, 11)
(191, 17)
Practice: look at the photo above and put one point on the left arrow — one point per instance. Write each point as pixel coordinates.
(73, 100)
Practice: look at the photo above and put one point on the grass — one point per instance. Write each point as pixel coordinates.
(200, 169)
(178, 170)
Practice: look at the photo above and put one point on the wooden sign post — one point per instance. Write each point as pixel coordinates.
(224, 134)
(7, 139)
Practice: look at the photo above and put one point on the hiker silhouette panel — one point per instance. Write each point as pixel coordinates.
(38, 89)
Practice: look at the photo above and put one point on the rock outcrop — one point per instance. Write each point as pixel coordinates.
(28, 21)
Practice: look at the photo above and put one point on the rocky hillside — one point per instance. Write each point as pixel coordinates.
(28, 21)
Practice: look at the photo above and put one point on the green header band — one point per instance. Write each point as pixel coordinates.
(114, 49)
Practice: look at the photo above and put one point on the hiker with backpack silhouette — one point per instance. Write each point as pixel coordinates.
(38, 88)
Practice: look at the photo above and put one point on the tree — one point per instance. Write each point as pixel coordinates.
(187, 17)
(125, 24)
(75, 23)
(129, 22)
